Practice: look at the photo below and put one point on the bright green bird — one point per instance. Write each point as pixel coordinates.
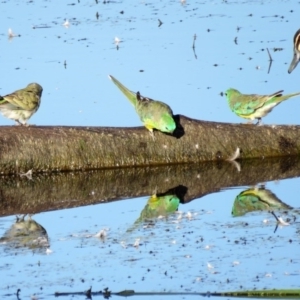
(296, 56)
(21, 104)
(154, 114)
(254, 106)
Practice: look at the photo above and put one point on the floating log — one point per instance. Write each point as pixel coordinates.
(52, 149)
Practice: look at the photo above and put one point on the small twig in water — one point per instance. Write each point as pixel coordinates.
(279, 220)
(18, 294)
(193, 47)
(270, 57)
(270, 60)
(41, 27)
(272, 212)
(88, 293)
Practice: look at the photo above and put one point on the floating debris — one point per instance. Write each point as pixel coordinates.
(123, 244)
(48, 251)
(28, 174)
(137, 243)
(279, 220)
(34, 297)
(235, 263)
(11, 34)
(210, 266)
(117, 41)
(189, 215)
(282, 222)
(66, 24)
(101, 234)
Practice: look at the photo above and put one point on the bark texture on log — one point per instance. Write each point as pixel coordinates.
(48, 149)
(18, 195)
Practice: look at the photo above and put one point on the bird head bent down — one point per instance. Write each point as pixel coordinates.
(35, 87)
(155, 114)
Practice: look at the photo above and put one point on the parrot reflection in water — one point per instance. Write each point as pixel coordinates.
(26, 233)
(256, 199)
(157, 206)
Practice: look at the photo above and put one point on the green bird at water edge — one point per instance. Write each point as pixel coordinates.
(21, 104)
(296, 56)
(253, 106)
(154, 114)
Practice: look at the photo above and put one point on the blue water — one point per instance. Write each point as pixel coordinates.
(82, 94)
(172, 254)
(160, 63)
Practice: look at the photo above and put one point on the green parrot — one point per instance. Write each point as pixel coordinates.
(154, 114)
(254, 106)
(296, 56)
(256, 199)
(21, 104)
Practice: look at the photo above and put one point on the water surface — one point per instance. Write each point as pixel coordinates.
(202, 247)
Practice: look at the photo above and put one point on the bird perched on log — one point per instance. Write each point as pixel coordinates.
(154, 114)
(21, 104)
(253, 106)
(296, 56)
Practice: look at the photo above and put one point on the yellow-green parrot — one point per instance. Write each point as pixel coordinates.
(154, 114)
(253, 106)
(21, 104)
